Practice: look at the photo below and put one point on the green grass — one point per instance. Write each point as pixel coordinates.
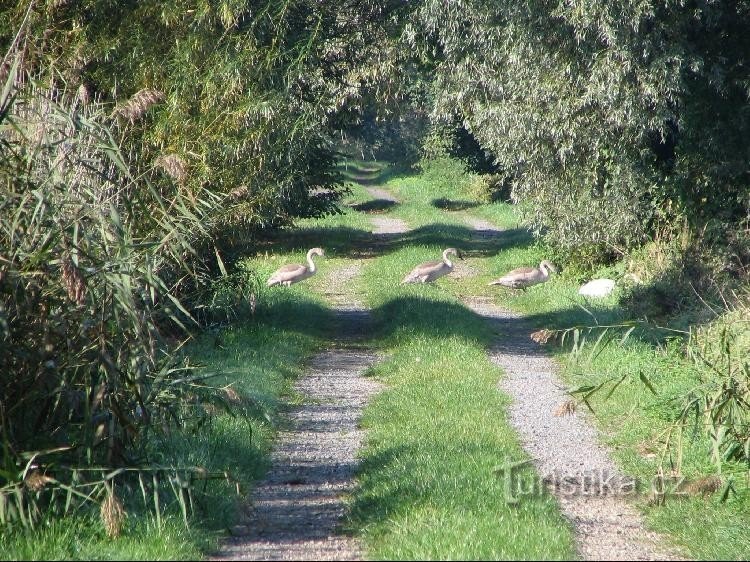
(632, 421)
(428, 487)
(83, 538)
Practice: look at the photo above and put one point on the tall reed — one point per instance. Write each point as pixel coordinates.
(92, 260)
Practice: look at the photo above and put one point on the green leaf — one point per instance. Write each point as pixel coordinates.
(221, 263)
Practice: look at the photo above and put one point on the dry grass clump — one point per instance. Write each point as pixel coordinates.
(112, 515)
(567, 408)
(36, 481)
(704, 486)
(542, 336)
(73, 281)
(139, 104)
(174, 165)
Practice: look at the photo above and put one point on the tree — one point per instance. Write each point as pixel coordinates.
(610, 116)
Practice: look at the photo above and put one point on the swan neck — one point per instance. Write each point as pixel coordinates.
(310, 262)
(446, 261)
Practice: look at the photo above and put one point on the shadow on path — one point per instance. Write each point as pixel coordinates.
(357, 243)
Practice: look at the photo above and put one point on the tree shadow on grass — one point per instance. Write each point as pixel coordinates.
(418, 314)
(428, 316)
(372, 174)
(359, 243)
(374, 206)
(474, 243)
(453, 204)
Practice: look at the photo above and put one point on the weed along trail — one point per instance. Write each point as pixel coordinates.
(564, 448)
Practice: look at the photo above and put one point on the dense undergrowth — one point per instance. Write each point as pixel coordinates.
(104, 426)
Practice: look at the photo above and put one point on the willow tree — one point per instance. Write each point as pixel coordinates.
(236, 96)
(610, 117)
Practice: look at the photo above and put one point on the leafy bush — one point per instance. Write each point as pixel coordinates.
(720, 404)
(612, 118)
(239, 98)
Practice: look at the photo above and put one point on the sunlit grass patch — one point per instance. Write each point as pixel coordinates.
(84, 538)
(428, 482)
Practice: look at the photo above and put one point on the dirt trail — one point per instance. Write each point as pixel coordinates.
(388, 225)
(295, 512)
(382, 194)
(565, 450)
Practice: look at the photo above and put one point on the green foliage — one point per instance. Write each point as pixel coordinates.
(92, 259)
(239, 97)
(164, 132)
(721, 403)
(611, 117)
(716, 409)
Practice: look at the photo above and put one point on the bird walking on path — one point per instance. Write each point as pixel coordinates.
(292, 273)
(524, 277)
(431, 270)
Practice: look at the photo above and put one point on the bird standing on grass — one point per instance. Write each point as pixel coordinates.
(431, 270)
(292, 273)
(597, 288)
(524, 277)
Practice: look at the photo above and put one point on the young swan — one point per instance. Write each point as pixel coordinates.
(292, 273)
(431, 270)
(526, 276)
(598, 288)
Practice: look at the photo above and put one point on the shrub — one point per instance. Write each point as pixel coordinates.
(611, 118)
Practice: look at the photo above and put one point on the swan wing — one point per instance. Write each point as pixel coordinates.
(290, 272)
(423, 270)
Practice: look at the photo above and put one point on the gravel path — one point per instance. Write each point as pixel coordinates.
(565, 449)
(388, 225)
(382, 194)
(294, 513)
